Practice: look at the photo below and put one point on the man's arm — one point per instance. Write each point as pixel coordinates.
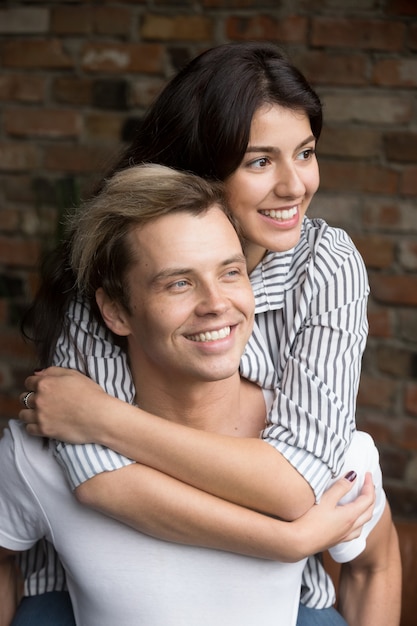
(10, 586)
(373, 579)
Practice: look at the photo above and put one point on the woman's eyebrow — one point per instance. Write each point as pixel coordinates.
(276, 150)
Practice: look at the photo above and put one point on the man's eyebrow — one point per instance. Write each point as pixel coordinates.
(170, 273)
(276, 150)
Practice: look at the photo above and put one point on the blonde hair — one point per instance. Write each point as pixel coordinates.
(100, 250)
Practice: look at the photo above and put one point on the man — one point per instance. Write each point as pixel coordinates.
(168, 273)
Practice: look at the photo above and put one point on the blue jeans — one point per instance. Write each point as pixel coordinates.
(55, 609)
(47, 609)
(319, 617)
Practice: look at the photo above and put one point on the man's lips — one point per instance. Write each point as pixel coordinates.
(211, 335)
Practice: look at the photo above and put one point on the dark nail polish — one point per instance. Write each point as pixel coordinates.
(350, 476)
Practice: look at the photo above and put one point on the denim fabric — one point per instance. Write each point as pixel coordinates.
(47, 609)
(319, 617)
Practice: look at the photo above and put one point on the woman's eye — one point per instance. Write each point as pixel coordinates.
(306, 154)
(259, 163)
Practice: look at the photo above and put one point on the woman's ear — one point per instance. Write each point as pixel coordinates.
(113, 314)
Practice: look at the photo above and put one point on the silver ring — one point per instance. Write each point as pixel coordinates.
(26, 398)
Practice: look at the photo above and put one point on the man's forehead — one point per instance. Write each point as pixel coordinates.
(183, 240)
(178, 225)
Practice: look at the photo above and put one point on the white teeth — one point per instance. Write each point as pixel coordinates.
(284, 214)
(211, 336)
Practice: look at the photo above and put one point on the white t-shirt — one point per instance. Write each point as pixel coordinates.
(119, 576)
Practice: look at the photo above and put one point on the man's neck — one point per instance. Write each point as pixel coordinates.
(211, 406)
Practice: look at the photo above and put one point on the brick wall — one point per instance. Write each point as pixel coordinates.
(77, 75)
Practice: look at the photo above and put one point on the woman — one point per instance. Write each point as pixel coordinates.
(242, 114)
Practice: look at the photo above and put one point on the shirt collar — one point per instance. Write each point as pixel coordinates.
(277, 273)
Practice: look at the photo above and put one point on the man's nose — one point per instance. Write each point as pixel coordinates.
(212, 300)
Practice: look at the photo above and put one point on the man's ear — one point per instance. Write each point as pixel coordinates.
(113, 314)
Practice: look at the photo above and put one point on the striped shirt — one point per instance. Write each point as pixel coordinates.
(307, 346)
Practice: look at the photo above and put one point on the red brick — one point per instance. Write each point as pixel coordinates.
(401, 146)
(71, 20)
(106, 126)
(377, 251)
(336, 6)
(382, 215)
(371, 110)
(292, 29)
(20, 20)
(349, 142)
(72, 90)
(33, 282)
(409, 181)
(22, 88)
(393, 214)
(9, 406)
(42, 123)
(409, 439)
(68, 158)
(355, 176)
(383, 431)
(407, 323)
(179, 27)
(19, 188)
(35, 53)
(18, 156)
(377, 392)
(357, 33)
(237, 4)
(394, 289)
(16, 252)
(9, 219)
(401, 7)
(408, 254)
(120, 58)
(396, 72)
(410, 400)
(394, 361)
(4, 310)
(13, 345)
(112, 20)
(144, 91)
(412, 36)
(325, 68)
(380, 322)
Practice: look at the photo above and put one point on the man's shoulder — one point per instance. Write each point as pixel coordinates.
(30, 456)
(15, 435)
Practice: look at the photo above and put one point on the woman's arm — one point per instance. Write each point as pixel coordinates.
(323, 329)
(179, 513)
(71, 407)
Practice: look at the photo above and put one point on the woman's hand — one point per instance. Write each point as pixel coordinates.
(74, 420)
(329, 523)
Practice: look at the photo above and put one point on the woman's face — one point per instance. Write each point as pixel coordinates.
(271, 190)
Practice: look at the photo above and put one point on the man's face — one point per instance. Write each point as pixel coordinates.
(191, 302)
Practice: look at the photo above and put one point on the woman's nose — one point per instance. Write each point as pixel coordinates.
(289, 183)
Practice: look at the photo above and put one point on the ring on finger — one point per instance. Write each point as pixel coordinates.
(25, 399)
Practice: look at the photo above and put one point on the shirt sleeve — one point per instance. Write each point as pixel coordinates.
(87, 346)
(362, 456)
(20, 515)
(313, 416)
